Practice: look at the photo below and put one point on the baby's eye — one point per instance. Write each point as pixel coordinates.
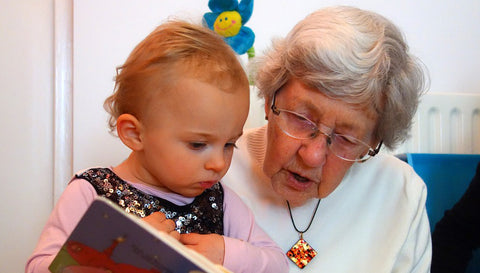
(197, 145)
(231, 145)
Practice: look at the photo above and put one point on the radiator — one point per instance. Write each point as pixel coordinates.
(444, 123)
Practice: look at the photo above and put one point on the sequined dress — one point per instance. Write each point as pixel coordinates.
(247, 247)
(204, 215)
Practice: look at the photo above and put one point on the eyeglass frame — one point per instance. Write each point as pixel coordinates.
(371, 151)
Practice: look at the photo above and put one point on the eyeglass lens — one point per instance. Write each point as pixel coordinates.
(299, 127)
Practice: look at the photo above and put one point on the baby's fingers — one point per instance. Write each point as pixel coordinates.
(160, 222)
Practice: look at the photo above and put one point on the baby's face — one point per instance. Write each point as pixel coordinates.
(189, 134)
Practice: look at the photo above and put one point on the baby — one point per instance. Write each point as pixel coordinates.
(180, 103)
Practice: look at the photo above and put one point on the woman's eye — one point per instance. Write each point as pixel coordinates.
(346, 140)
(300, 122)
(196, 145)
(301, 119)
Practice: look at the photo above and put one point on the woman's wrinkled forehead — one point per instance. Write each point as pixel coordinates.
(300, 91)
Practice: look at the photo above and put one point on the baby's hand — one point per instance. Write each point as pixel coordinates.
(160, 222)
(211, 246)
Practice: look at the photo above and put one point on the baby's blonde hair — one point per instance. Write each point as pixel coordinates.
(172, 50)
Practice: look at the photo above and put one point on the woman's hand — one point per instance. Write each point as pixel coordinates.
(211, 246)
(160, 222)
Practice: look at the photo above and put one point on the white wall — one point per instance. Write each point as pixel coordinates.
(26, 54)
(443, 33)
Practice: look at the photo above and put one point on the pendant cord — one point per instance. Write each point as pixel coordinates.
(311, 220)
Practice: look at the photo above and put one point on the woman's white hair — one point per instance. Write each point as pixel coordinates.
(353, 55)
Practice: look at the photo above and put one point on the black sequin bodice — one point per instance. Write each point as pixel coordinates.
(204, 215)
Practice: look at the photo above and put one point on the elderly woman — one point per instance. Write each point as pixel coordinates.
(340, 86)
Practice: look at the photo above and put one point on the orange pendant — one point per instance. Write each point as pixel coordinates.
(301, 253)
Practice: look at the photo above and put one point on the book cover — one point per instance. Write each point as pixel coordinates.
(107, 239)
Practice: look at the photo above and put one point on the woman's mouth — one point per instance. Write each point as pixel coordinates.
(299, 182)
(300, 178)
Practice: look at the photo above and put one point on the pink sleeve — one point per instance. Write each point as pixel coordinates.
(70, 207)
(247, 247)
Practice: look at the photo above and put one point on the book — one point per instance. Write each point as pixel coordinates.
(108, 239)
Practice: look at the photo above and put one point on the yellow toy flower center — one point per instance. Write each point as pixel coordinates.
(228, 23)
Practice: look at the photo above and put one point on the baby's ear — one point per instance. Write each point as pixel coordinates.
(129, 130)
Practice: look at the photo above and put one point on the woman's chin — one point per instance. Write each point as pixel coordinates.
(296, 193)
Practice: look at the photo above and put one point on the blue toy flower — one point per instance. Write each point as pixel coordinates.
(228, 18)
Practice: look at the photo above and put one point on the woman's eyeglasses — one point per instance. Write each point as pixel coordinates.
(298, 126)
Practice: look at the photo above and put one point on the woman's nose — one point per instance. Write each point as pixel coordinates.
(313, 152)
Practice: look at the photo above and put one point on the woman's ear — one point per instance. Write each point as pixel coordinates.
(267, 108)
(129, 131)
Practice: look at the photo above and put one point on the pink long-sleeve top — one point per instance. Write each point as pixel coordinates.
(247, 247)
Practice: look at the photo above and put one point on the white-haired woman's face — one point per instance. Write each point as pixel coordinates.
(301, 169)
